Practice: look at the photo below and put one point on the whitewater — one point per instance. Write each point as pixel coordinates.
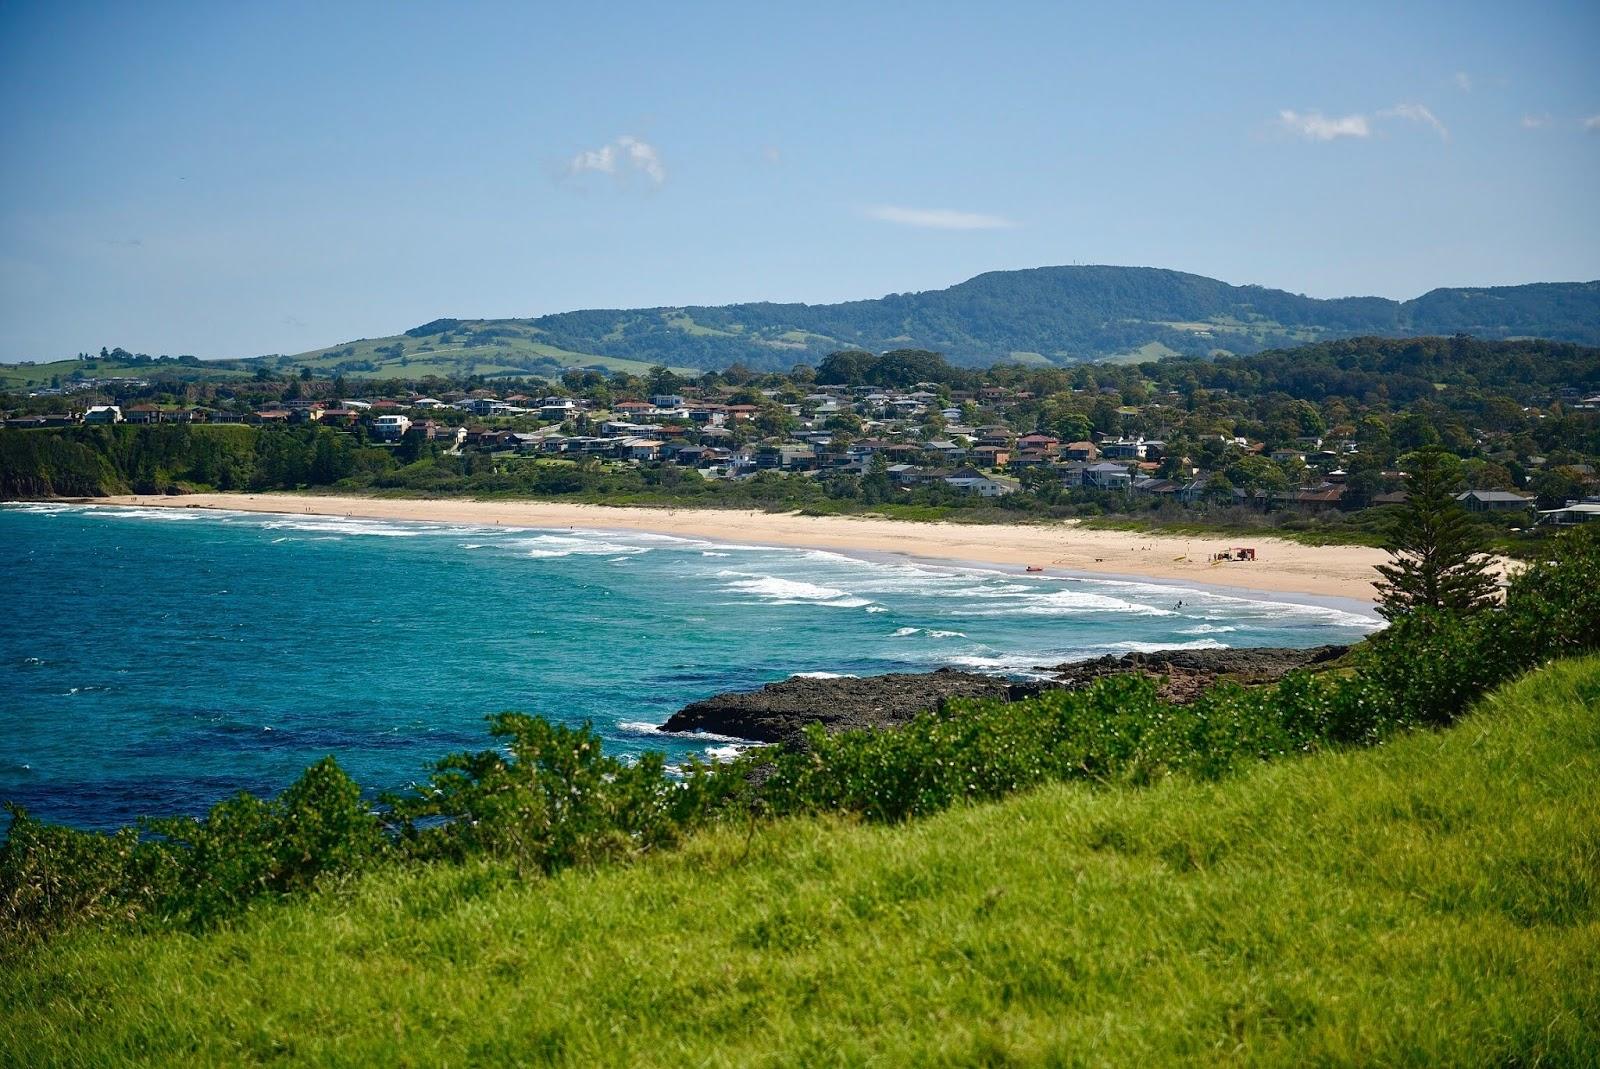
(154, 661)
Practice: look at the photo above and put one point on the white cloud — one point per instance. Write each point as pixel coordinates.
(1592, 124)
(1463, 81)
(1416, 113)
(624, 155)
(1535, 122)
(1315, 126)
(938, 218)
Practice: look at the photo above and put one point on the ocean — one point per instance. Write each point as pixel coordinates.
(154, 661)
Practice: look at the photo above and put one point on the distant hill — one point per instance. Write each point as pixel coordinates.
(1044, 315)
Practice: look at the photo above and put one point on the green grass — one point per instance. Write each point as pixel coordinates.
(23, 376)
(1435, 901)
(1294, 529)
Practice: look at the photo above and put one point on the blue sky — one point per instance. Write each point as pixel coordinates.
(228, 179)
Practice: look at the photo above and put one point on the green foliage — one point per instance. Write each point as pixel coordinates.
(163, 458)
(551, 798)
(556, 800)
(1437, 551)
(186, 869)
(1433, 901)
(42, 463)
(1066, 313)
(900, 368)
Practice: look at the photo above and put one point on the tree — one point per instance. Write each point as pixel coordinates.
(1436, 550)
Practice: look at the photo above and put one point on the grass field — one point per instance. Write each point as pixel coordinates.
(22, 376)
(1432, 902)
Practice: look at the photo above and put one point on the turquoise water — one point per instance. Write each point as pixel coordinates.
(154, 661)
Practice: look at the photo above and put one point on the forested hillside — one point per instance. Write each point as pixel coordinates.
(1058, 315)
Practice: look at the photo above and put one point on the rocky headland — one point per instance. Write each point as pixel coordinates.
(779, 712)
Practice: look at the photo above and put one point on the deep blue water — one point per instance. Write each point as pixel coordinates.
(155, 661)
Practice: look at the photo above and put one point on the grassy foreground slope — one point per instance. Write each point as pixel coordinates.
(1433, 901)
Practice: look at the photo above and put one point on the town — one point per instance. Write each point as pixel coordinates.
(1114, 439)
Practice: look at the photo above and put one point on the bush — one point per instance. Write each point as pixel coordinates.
(552, 798)
(558, 799)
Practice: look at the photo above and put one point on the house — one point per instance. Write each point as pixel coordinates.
(390, 428)
(1042, 443)
(640, 449)
(981, 484)
(1107, 476)
(945, 450)
(1577, 512)
(1085, 451)
(1494, 501)
(1123, 449)
(1326, 496)
(338, 417)
(558, 411)
(103, 414)
(991, 456)
(144, 414)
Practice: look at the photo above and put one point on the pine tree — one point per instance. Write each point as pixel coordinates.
(1438, 560)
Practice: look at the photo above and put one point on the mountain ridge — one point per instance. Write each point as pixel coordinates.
(1053, 315)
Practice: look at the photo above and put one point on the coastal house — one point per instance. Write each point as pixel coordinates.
(1107, 476)
(144, 414)
(1587, 511)
(1494, 501)
(103, 414)
(1123, 448)
(390, 428)
(990, 456)
(981, 484)
(1085, 451)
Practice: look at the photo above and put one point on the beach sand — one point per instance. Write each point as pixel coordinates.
(1280, 566)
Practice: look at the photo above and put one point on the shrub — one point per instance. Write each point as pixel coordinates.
(556, 800)
(552, 798)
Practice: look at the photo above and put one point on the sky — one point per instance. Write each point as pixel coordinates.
(228, 179)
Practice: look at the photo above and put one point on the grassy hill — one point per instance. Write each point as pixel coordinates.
(457, 347)
(24, 376)
(1047, 314)
(1433, 901)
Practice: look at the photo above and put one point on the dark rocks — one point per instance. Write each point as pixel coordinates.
(1188, 672)
(778, 712)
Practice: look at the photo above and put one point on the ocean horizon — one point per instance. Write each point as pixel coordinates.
(154, 661)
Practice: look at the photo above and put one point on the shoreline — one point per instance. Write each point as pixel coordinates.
(1062, 549)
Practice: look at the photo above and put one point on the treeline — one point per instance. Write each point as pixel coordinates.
(1395, 371)
(548, 797)
(96, 461)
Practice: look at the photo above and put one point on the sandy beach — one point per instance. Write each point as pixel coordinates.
(1280, 567)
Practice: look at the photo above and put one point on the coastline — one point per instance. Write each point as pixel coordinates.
(1061, 548)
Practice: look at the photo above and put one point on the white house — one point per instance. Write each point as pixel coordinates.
(103, 414)
(983, 485)
(390, 428)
